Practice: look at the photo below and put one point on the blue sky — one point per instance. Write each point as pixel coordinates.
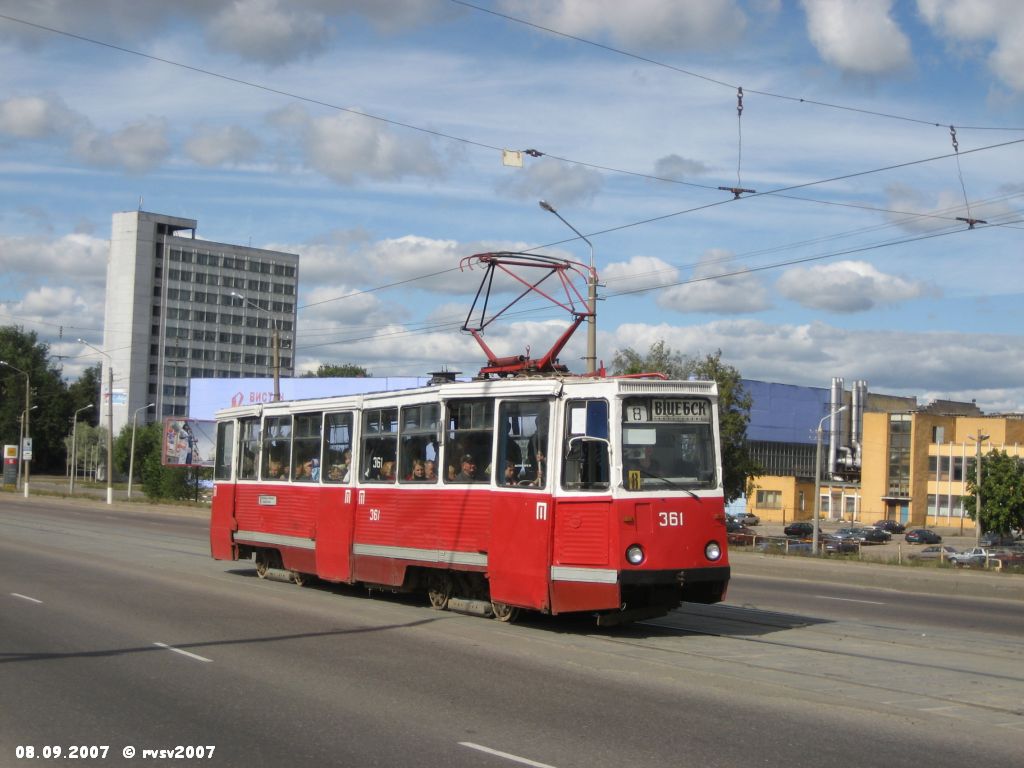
(849, 261)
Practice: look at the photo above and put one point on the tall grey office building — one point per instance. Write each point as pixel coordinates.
(178, 307)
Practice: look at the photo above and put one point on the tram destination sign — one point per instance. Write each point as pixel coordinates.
(688, 410)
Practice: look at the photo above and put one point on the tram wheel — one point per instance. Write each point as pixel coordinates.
(439, 589)
(262, 564)
(302, 579)
(505, 612)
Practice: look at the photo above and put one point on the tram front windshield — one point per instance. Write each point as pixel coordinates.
(668, 442)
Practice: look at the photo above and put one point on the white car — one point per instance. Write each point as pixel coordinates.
(746, 518)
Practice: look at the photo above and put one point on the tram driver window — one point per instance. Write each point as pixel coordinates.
(585, 446)
(380, 445)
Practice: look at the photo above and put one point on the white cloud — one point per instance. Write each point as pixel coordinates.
(222, 145)
(996, 22)
(718, 284)
(560, 183)
(847, 286)
(37, 117)
(676, 167)
(638, 274)
(950, 365)
(137, 148)
(265, 31)
(345, 147)
(78, 255)
(857, 36)
(664, 24)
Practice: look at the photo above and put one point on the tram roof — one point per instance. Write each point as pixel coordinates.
(508, 387)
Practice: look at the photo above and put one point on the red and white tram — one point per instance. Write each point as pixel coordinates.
(558, 495)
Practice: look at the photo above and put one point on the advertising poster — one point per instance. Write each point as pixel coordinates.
(189, 442)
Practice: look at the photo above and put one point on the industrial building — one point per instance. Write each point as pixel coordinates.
(882, 456)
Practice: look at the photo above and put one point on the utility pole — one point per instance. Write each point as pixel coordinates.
(977, 496)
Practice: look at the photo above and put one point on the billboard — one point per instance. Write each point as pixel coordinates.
(189, 442)
(207, 396)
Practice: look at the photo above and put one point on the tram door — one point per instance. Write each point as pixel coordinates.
(336, 506)
(519, 555)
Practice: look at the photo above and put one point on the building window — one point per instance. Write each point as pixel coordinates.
(769, 499)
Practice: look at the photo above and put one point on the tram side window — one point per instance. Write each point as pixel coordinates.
(380, 443)
(469, 441)
(417, 455)
(337, 458)
(306, 447)
(523, 443)
(248, 448)
(277, 446)
(225, 450)
(585, 441)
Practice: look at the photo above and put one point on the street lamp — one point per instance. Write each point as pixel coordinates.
(591, 293)
(27, 434)
(131, 457)
(110, 420)
(275, 343)
(817, 477)
(74, 447)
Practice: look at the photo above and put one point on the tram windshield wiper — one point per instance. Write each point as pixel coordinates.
(665, 480)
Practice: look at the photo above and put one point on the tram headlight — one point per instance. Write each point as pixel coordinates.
(713, 550)
(635, 554)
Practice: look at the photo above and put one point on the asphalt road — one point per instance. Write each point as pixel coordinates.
(118, 630)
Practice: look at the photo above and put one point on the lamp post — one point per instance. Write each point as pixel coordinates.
(275, 343)
(27, 434)
(817, 478)
(22, 421)
(110, 420)
(591, 293)
(977, 496)
(131, 456)
(74, 447)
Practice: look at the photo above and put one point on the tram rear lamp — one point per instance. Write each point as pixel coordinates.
(635, 554)
(713, 551)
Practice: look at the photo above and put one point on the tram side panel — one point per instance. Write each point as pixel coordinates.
(584, 574)
(282, 518)
(222, 522)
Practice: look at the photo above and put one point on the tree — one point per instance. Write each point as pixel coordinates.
(157, 480)
(738, 467)
(1002, 492)
(338, 370)
(49, 419)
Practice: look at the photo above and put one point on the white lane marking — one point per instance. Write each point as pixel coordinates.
(849, 600)
(183, 653)
(26, 597)
(506, 755)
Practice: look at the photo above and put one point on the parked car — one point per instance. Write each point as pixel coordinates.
(740, 535)
(872, 535)
(997, 539)
(922, 536)
(747, 518)
(838, 545)
(784, 546)
(845, 533)
(802, 529)
(892, 526)
(986, 557)
(933, 552)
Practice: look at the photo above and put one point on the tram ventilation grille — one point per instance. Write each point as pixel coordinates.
(666, 386)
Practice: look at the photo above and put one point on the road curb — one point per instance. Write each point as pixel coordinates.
(919, 579)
